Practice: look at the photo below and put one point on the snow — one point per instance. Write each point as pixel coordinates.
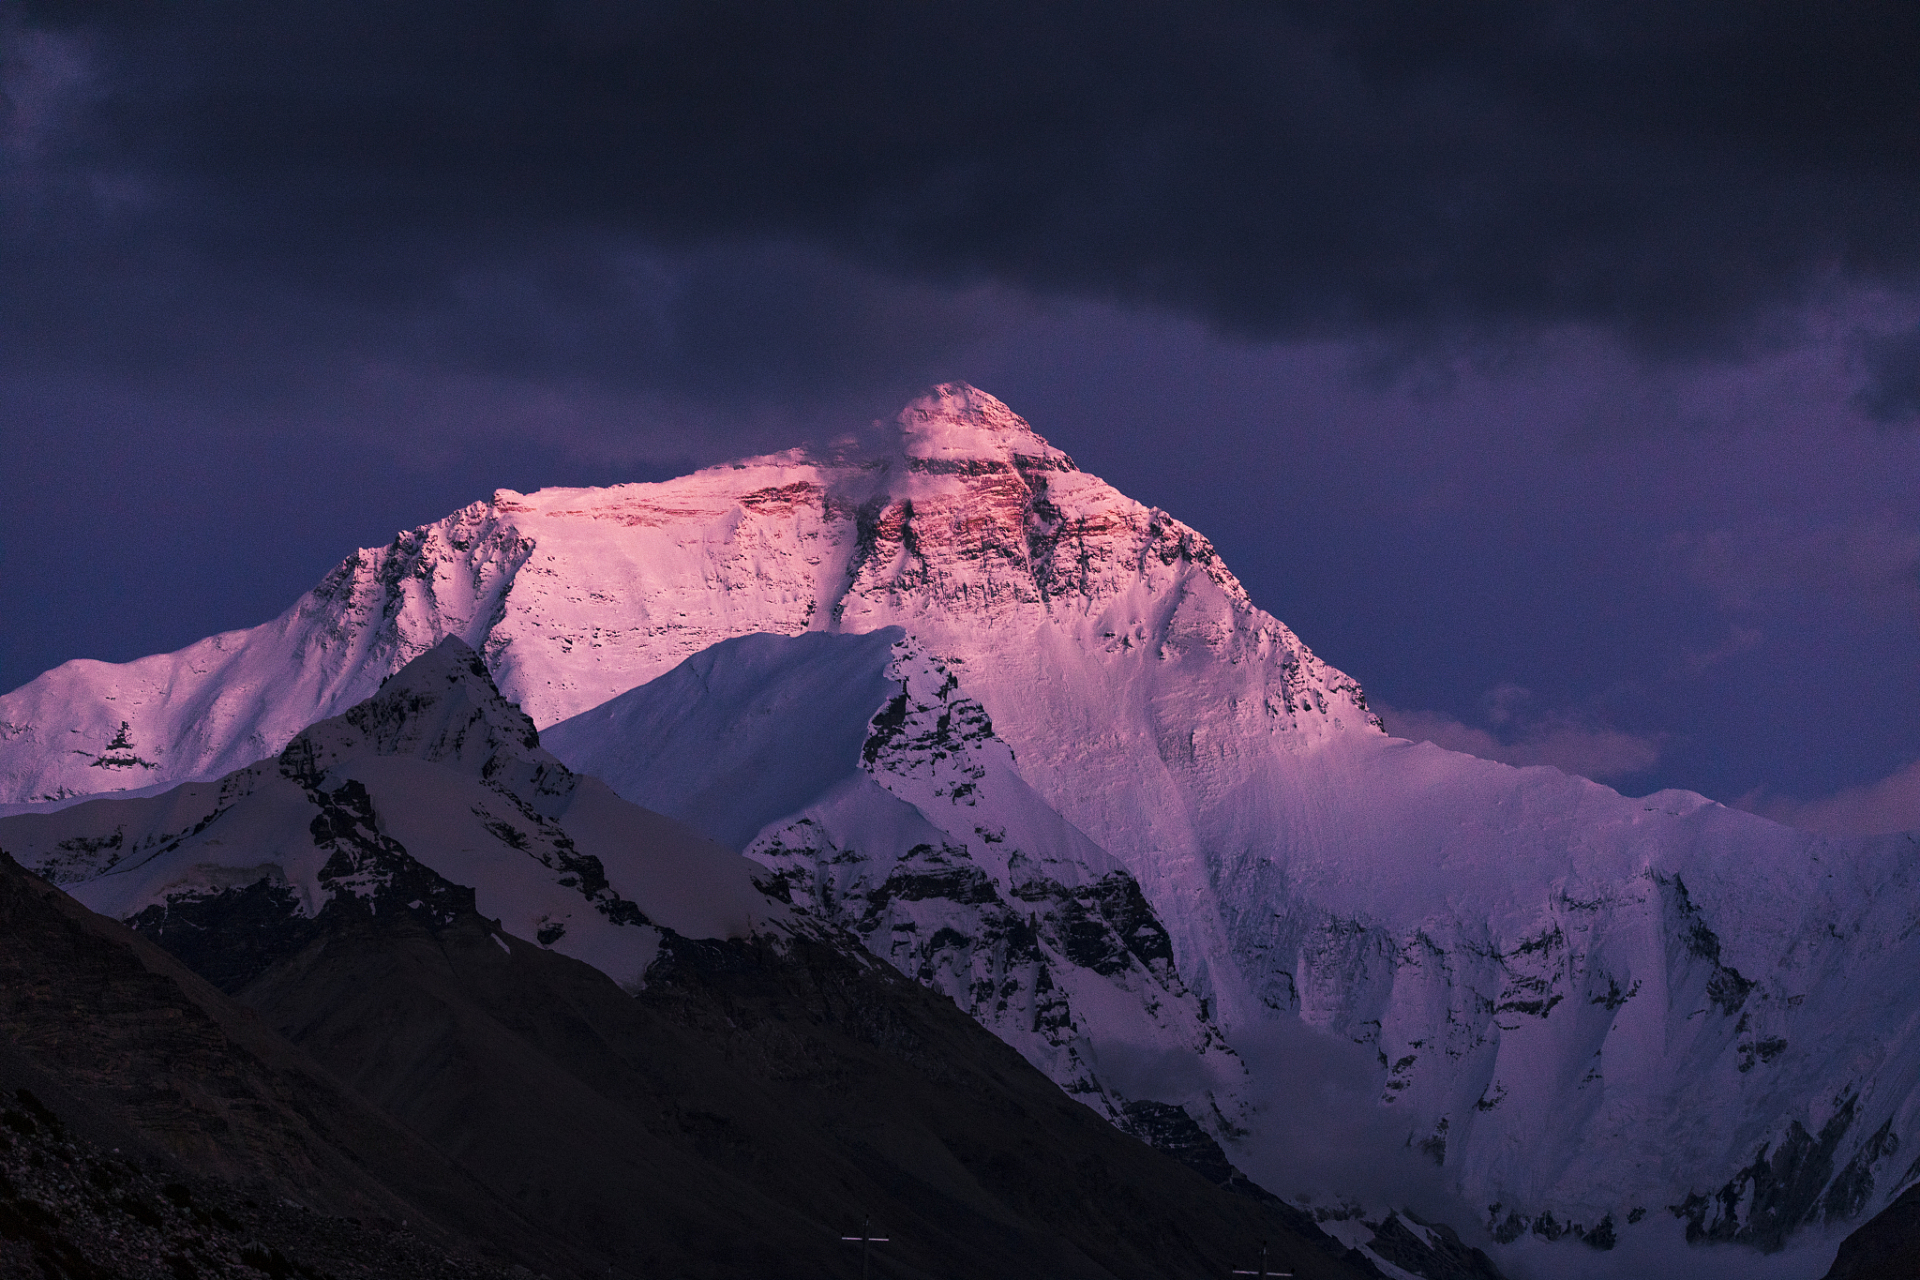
(856, 768)
(678, 877)
(740, 734)
(452, 779)
(1612, 1004)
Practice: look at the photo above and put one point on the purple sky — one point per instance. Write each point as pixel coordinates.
(1553, 370)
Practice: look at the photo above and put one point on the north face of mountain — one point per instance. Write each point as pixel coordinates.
(1557, 984)
(858, 770)
(963, 521)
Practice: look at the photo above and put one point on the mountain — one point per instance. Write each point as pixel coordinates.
(887, 730)
(967, 523)
(232, 874)
(859, 772)
(1595, 1018)
(751, 1090)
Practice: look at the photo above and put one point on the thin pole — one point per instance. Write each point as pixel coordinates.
(867, 1240)
(1263, 1273)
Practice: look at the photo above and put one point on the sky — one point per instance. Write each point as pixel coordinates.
(1552, 369)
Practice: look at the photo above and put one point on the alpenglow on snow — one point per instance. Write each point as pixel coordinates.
(1060, 739)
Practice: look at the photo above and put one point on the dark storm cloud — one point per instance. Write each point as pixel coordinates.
(1672, 172)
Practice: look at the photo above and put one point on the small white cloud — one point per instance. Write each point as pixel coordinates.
(1876, 808)
(1558, 738)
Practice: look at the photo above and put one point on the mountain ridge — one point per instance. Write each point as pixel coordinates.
(1583, 1009)
(769, 1069)
(918, 517)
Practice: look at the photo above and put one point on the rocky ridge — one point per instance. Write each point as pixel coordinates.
(430, 798)
(737, 1109)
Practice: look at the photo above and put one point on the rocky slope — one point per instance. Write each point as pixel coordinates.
(149, 1127)
(755, 1090)
(1591, 1014)
(750, 1107)
(234, 873)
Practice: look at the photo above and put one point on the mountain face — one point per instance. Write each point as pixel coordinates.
(1588, 1012)
(1594, 955)
(750, 1096)
(965, 525)
(431, 792)
(858, 771)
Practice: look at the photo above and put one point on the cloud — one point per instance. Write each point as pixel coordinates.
(1872, 558)
(1878, 808)
(1522, 736)
(1892, 390)
(1330, 1134)
(1675, 173)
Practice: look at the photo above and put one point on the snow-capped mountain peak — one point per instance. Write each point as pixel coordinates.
(964, 526)
(957, 424)
(1590, 1014)
(431, 791)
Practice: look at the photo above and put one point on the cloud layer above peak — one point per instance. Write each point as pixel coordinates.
(1674, 173)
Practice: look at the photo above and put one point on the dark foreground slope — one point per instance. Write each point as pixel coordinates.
(747, 1109)
(151, 1127)
(752, 1105)
(1885, 1245)
(742, 1113)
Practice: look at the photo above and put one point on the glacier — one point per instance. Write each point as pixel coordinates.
(1596, 1019)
